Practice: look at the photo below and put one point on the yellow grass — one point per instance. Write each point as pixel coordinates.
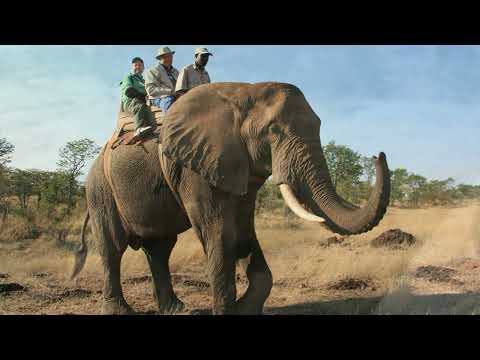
(296, 257)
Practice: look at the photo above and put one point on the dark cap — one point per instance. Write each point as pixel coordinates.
(135, 59)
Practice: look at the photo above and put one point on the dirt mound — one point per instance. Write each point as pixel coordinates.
(466, 263)
(351, 284)
(7, 288)
(437, 274)
(332, 241)
(394, 239)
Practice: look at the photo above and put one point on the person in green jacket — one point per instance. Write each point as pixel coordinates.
(134, 99)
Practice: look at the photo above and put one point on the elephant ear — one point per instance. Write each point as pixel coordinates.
(201, 132)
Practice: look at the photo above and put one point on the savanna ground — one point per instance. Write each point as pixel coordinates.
(440, 274)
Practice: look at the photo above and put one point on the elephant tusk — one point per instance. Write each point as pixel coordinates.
(294, 205)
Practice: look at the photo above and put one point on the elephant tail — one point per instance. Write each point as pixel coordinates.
(81, 253)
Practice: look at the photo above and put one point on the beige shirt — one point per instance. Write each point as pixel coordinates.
(157, 82)
(190, 77)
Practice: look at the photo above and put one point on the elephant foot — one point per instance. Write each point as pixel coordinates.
(172, 306)
(116, 306)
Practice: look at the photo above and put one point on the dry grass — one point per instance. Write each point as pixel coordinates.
(302, 268)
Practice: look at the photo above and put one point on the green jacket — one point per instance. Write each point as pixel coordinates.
(132, 80)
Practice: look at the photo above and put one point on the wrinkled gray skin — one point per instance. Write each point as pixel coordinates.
(217, 139)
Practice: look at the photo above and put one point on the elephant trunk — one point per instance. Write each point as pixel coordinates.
(311, 184)
(345, 218)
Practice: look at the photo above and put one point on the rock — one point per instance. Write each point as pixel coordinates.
(394, 239)
(6, 288)
(4, 276)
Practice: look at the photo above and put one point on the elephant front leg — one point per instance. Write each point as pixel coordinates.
(259, 282)
(218, 235)
(221, 269)
(158, 253)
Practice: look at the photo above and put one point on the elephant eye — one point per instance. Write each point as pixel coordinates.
(275, 129)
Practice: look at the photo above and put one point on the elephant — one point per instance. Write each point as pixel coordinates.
(218, 144)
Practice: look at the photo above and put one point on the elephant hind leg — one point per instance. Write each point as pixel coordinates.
(111, 242)
(110, 237)
(158, 253)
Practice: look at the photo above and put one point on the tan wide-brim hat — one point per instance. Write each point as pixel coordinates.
(164, 51)
(202, 51)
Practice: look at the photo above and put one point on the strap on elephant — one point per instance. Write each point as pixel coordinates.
(126, 137)
(133, 241)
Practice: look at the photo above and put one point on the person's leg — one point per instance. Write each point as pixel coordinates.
(140, 112)
(155, 102)
(166, 102)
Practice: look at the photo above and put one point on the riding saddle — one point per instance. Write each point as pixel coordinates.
(125, 128)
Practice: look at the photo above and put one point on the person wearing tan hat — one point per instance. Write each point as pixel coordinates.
(160, 80)
(194, 74)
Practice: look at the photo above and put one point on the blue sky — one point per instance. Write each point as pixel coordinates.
(418, 104)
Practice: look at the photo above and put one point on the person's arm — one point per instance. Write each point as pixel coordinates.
(154, 86)
(182, 82)
(134, 93)
(130, 90)
(127, 86)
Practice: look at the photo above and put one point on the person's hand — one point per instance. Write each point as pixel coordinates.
(178, 94)
(132, 92)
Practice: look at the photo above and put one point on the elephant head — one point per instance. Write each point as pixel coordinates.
(229, 132)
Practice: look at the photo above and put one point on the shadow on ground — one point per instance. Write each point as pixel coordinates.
(399, 303)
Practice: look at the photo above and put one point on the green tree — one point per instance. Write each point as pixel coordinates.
(268, 197)
(368, 172)
(439, 192)
(468, 191)
(21, 186)
(73, 158)
(345, 168)
(416, 186)
(5, 189)
(6, 149)
(56, 189)
(39, 179)
(398, 183)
